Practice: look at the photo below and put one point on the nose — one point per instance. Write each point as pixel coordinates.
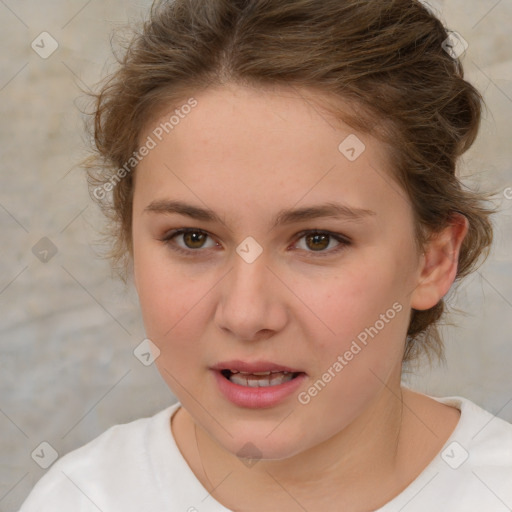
(252, 303)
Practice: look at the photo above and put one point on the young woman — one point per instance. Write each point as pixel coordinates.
(280, 177)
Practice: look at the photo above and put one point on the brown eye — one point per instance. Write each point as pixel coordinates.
(323, 243)
(194, 239)
(317, 241)
(189, 241)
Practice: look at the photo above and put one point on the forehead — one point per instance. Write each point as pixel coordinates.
(262, 148)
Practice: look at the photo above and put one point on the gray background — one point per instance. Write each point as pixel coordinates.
(68, 330)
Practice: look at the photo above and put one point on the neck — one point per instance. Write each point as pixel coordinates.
(360, 460)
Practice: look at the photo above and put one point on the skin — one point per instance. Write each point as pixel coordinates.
(247, 154)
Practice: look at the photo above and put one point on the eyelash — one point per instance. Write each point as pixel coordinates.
(342, 240)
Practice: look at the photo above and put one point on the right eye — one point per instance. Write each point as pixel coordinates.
(192, 240)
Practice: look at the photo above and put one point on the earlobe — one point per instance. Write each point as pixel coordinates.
(439, 264)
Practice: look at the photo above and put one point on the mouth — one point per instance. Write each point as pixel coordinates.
(259, 379)
(259, 374)
(257, 385)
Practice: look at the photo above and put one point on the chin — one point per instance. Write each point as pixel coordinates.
(260, 446)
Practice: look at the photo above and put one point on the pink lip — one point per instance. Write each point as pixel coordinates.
(257, 366)
(256, 398)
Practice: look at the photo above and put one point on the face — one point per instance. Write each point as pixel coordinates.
(297, 257)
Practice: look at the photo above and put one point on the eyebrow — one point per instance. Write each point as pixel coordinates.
(288, 216)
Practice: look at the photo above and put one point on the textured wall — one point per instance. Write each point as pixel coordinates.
(68, 330)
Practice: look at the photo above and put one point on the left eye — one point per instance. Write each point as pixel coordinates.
(320, 241)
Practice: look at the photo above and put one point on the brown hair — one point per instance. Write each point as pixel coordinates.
(386, 58)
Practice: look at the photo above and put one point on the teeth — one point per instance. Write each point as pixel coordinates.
(256, 373)
(260, 379)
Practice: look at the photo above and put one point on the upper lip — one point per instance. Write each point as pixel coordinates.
(255, 366)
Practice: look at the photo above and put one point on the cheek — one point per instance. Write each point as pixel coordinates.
(366, 312)
(166, 295)
(170, 306)
(351, 302)
(370, 324)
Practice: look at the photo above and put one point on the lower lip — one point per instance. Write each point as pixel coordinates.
(257, 398)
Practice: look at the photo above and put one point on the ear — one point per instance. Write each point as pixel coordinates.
(439, 262)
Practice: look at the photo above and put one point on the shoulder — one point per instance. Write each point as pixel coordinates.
(476, 461)
(114, 462)
(472, 471)
(483, 439)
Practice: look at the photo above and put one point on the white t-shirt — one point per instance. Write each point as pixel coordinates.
(137, 467)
